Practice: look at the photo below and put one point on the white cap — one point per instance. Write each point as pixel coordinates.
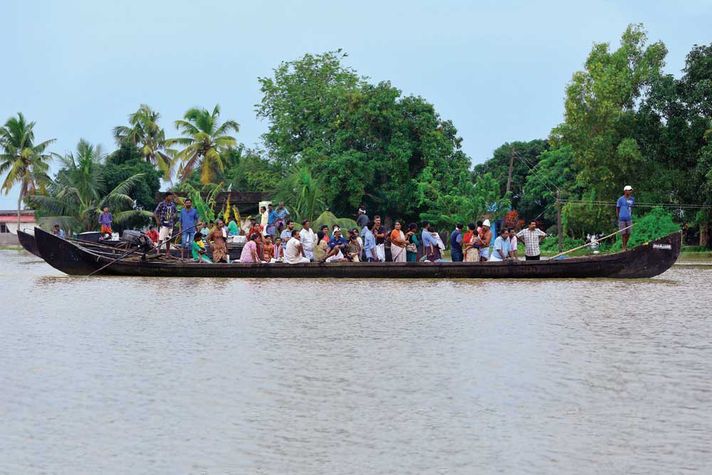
(627, 188)
(486, 223)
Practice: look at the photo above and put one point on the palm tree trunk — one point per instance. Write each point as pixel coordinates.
(19, 206)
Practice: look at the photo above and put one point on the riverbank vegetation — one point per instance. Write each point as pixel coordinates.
(336, 139)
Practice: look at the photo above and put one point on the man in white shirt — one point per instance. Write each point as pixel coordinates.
(531, 237)
(294, 254)
(308, 239)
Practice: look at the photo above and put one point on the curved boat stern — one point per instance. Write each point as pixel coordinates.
(652, 258)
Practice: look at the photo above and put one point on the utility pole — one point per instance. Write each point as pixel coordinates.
(509, 176)
(559, 229)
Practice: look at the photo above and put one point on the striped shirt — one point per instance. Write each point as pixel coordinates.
(531, 241)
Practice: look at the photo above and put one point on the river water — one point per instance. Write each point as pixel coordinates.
(133, 375)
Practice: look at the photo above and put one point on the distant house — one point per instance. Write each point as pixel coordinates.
(8, 225)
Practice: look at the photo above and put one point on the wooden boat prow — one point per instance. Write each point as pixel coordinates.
(644, 261)
(27, 241)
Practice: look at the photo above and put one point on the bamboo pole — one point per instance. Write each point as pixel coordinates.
(588, 243)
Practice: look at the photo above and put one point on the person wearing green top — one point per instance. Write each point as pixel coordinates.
(232, 229)
(197, 249)
(411, 237)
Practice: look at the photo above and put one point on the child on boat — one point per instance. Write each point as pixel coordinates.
(198, 249)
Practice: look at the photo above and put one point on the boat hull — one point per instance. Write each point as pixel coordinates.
(647, 260)
(27, 241)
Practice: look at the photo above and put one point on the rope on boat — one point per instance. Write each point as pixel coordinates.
(588, 243)
(132, 251)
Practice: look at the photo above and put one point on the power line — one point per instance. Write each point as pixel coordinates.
(639, 205)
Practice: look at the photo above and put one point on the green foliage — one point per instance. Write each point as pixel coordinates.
(363, 142)
(205, 141)
(303, 193)
(587, 216)
(126, 162)
(246, 170)
(144, 133)
(327, 218)
(465, 203)
(550, 245)
(23, 162)
(655, 224)
(526, 157)
(79, 192)
(206, 207)
(600, 110)
(555, 171)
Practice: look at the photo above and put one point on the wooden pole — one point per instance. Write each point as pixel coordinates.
(588, 243)
(559, 227)
(509, 175)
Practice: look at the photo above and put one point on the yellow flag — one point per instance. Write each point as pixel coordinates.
(226, 215)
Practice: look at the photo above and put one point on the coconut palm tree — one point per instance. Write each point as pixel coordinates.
(145, 133)
(78, 194)
(205, 143)
(25, 162)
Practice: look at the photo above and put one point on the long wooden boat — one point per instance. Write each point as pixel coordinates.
(648, 260)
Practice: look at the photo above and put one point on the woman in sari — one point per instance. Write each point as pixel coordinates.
(398, 243)
(219, 242)
(470, 244)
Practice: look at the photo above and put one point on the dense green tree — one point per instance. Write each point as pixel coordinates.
(364, 142)
(467, 202)
(305, 101)
(554, 172)
(144, 133)
(79, 192)
(524, 157)
(124, 163)
(600, 111)
(24, 162)
(671, 129)
(247, 170)
(206, 142)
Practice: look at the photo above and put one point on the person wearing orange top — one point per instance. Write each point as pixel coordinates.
(398, 243)
(268, 249)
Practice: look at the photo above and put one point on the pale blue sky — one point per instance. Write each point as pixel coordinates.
(497, 69)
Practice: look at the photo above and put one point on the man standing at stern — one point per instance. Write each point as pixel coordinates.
(624, 211)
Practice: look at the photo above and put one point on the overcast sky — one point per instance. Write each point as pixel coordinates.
(497, 69)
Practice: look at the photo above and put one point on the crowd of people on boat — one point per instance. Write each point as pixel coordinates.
(274, 237)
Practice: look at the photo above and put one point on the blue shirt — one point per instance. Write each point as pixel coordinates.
(369, 241)
(625, 206)
(271, 217)
(338, 242)
(428, 239)
(456, 241)
(188, 219)
(281, 213)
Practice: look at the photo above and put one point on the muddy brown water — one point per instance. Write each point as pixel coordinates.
(132, 375)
